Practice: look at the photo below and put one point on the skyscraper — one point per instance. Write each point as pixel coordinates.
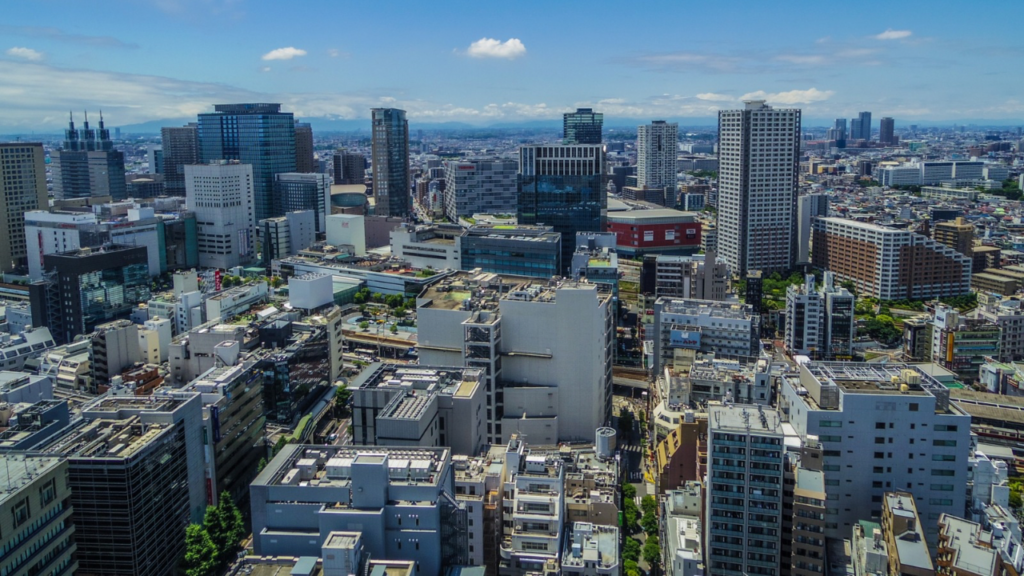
(759, 156)
(181, 148)
(221, 195)
(22, 188)
(582, 126)
(390, 162)
(886, 126)
(294, 191)
(256, 134)
(809, 207)
(305, 161)
(656, 151)
(562, 186)
(88, 165)
(860, 127)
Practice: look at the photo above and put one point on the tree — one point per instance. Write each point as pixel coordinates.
(652, 551)
(232, 525)
(276, 281)
(200, 552)
(649, 523)
(378, 297)
(394, 301)
(400, 312)
(361, 297)
(629, 514)
(341, 396)
(394, 329)
(649, 504)
(631, 550)
(625, 420)
(628, 491)
(364, 325)
(261, 465)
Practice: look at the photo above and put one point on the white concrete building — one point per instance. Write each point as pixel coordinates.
(909, 175)
(479, 187)
(535, 488)
(1009, 315)
(681, 531)
(744, 490)
(809, 207)
(347, 229)
(287, 235)
(233, 301)
(701, 276)
(591, 550)
(657, 145)
(723, 328)
(883, 427)
(545, 347)
(310, 291)
(435, 247)
(221, 195)
(759, 160)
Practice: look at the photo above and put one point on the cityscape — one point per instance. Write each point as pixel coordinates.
(255, 320)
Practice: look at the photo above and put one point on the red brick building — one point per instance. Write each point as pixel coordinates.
(660, 231)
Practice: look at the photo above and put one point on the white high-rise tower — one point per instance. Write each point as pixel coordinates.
(758, 159)
(656, 151)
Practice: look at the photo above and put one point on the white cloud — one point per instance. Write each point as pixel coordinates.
(491, 48)
(265, 69)
(891, 34)
(712, 97)
(801, 58)
(791, 97)
(284, 53)
(26, 53)
(335, 53)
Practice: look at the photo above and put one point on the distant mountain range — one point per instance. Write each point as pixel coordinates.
(362, 125)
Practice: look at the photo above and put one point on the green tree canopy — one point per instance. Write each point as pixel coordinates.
(200, 552)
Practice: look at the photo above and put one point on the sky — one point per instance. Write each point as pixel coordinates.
(506, 62)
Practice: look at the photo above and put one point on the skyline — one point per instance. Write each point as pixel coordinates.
(167, 60)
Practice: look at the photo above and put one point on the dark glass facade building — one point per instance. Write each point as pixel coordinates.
(563, 187)
(304, 192)
(390, 162)
(256, 134)
(517, 250)
(180, 148)
(582, 126)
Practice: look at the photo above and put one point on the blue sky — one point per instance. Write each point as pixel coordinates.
(490, 62)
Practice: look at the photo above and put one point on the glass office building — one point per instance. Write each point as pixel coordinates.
(516, 250)
(256, 134)
(390, 162)
(582, 126)
(563, 187)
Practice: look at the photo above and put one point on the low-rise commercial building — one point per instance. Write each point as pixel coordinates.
(728, 330)
(512, 249)
(591, 550)
(681, 530)
(658, 231)
(435, 246)
(904, 536)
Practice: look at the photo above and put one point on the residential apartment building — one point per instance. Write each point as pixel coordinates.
(401, 500)
(534, 489)
(222, 196)
(591, 550)
(958, 235)
(657, 145)
(905, 536)
(681, 530)
(744, 490)
(759, 160)
(809, 207)
(479, 187)
(965, 549)
(22, 189)
(803, 543)
(887, 263)
(528, 337)
(883, 427)
(723, 328)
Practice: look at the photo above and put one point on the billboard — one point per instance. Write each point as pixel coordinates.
(684, 339)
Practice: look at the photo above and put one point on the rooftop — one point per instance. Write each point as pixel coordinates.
(745, 419)
(19, 470)
(591, 544)
(654, 215)
(709, 308)
(987, 408)
(910, 543)
(477, 290)
(969, 547)
(331, 466)
(100, 438)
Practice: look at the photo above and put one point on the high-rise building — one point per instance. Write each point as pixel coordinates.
(256, 134)
(479, 187)
(887, 263)
(865, 416)
(820, 323)
(221, 195)
(348, 168)
(35, 504)
(657, 145)
(390, 162)
(759, 158)
(809, 207)
(181, 148)
(958, 235)
(837, 131)
(136, 476)
(744, 490)
(155, 159)
(886, 127)
(582, 126)
(562, 186)
(287, 235)
(88, 165)
(87, 287)
(294, 192)
(305, 160)
(22, 188)
(115, 346)
(860, 127)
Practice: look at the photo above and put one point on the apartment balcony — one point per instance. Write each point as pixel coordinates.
(762, 563)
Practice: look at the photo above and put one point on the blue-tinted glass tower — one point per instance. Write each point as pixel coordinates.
(257, 134)
(390, 162)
